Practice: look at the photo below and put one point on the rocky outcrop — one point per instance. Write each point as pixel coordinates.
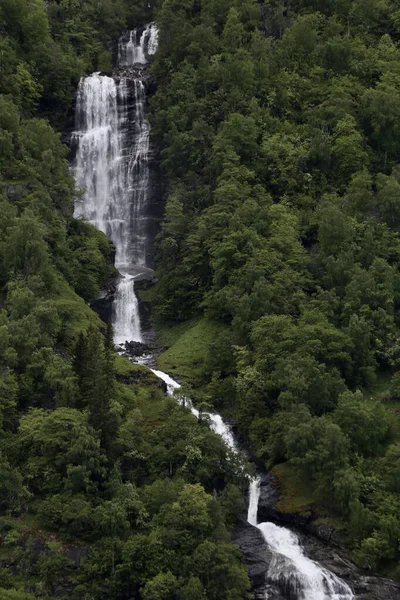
(256, 555)
(376, 588)
(135, 349)
(268, 511)
(103, 305)
(365, 587)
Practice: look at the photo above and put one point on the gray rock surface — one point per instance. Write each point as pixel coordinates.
(256, 555)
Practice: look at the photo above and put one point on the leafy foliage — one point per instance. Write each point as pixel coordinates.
(278, 128)
(108, 488)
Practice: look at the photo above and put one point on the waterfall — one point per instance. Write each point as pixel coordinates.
(98, 169)
(136, 48)
(293, 573)
(112, 167)
(126, 313)
(254, 496)
(216, 422)
(138, 175)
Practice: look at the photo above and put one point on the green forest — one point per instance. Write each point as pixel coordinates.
(278, 295)
(278, 124)
(108, 488)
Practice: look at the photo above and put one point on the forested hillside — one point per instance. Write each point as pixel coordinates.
(278, 124)
(278, 293)
(108, 489)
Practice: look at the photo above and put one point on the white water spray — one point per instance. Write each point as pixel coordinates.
(112, 168)
(290, 570)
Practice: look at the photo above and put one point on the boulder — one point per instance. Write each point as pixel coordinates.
(135, 349)
(256, 555)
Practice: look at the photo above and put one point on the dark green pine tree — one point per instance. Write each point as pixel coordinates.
(109, 361)
(79, 366)
(94, 366)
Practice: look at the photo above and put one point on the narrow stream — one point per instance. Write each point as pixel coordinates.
(112, 167)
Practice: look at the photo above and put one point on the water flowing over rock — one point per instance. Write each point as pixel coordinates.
(137, 48)
(112, 138)
(292, 573)
(278, 567)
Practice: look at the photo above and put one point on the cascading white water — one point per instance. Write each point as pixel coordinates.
(98, 169)
(153, 40)
(294, 573)
(138, 176)
(254, 496)
(112, 167)
(126, 313)
(135, 47)
(216, 422)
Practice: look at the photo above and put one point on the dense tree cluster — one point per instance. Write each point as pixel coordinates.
(278, 124)
(108, 489)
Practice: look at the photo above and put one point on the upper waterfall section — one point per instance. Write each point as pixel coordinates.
(136, 48)
(112, 137)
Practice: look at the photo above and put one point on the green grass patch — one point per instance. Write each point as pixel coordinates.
(125, 367)
(295, 495)
(132, 373)
(188, 344)
(135, 384)
(168, 335)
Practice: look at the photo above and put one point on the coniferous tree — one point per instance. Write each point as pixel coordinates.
(94, 365)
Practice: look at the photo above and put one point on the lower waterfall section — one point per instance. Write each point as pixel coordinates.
(295, 575)
(291, 572)
(126, 321)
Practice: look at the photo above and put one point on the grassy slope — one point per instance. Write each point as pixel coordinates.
(187, 347)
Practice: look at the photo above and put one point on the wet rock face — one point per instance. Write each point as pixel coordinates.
(365, 587)
(268, 511)
(258, 558)
(104, 304)
(136, 349)
(375, 588)
(269, 496)
(256, 555)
